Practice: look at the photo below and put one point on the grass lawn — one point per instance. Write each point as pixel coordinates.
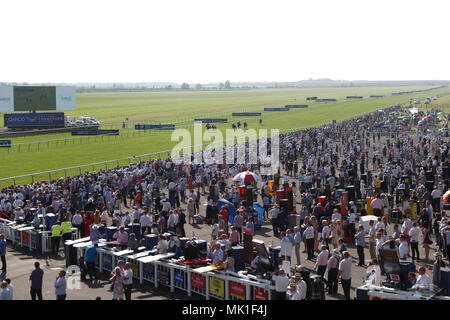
(181, 108)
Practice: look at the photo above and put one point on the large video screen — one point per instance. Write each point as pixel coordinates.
(27, 98)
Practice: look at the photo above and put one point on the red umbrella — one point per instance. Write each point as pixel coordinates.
(446, 197)
(247, 176)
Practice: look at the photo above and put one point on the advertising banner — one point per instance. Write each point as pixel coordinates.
(217, 287)
(211, 120)
(44, 119)
(179, 277)
(259, 294)
(246, 114)
(296, 106)
(198, 282)
(154, 127)
(237, 290)
(5, 143)
(276, 109)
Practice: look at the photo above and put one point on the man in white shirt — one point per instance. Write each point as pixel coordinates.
(281, 284)
(379, 244)
(146, 222)
(414, 240)
(423, 280)
(309, 236)
(380, 226)
(436, 195)
(77, 220)
(325, 233)
(127, 280)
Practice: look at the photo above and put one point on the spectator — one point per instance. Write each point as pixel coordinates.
(36, 282)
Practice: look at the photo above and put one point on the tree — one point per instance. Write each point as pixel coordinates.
(198, 86)
(169, 87)
(184, 86)
(221, 85)
(227, 84)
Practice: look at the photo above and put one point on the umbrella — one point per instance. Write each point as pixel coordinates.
(231, 209)
(446, 197)
(247, 176)
(364, 221)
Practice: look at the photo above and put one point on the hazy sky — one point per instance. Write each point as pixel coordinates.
(209, 40)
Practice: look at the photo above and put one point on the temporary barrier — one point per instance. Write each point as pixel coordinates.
(133, 260)
(276, 109)
(246, 114)
(154, 127)
(211, 120)
(296, 106)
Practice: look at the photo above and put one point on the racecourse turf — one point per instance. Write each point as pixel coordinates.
(181, 107)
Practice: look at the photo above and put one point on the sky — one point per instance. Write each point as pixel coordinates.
(202, 41)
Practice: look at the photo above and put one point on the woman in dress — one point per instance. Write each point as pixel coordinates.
(426, 239)
(87, 222)
(117, 281)
(334, 234)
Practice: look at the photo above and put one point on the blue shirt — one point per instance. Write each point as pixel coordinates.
(361, 241)
(297, 238)
(60, 286)
(3, 247)
(396, 234)
(36, 222)
(91, 254)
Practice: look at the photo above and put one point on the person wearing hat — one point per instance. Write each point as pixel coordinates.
(292, 293)
(332, 266)
(301, 285)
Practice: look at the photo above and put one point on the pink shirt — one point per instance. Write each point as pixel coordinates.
(121, 237)
(234, 236)
(377, 203)
(322, 258)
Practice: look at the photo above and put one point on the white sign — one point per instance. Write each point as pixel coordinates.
(6, 98)
(65, 98)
